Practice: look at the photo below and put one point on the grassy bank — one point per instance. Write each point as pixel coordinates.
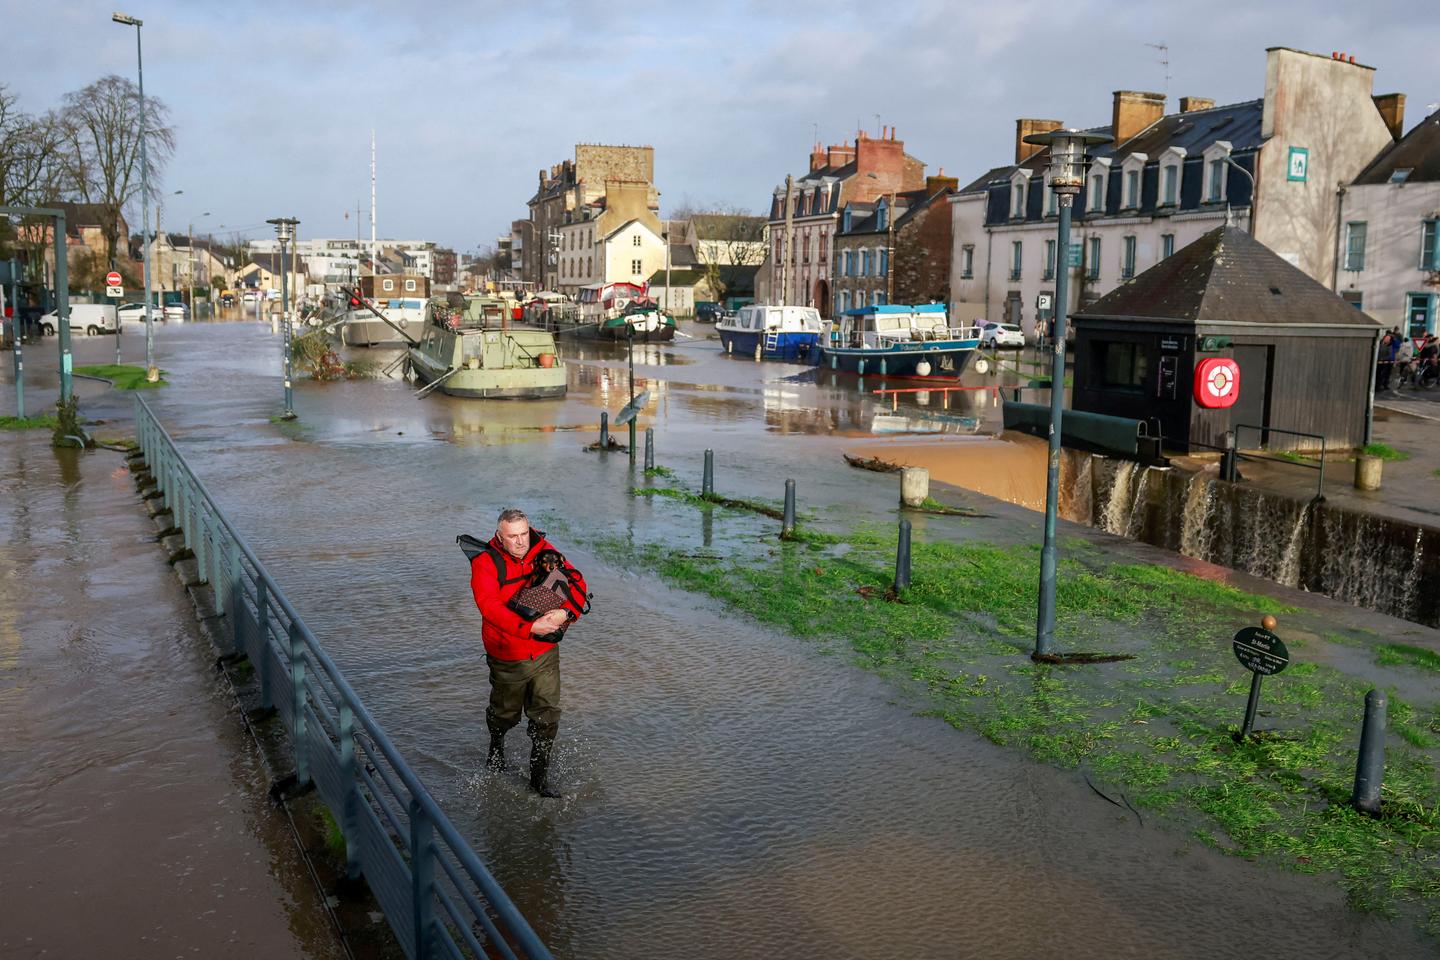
(1153, 732)
(44, 421)
(124, 376)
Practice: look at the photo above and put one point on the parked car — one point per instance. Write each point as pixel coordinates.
(93, 318)
(135, 313)
(177, 312)
(250, 296)
(706, 310)
(1002, 335)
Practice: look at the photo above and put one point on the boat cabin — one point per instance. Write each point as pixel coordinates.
(882, 326)
(761, 319)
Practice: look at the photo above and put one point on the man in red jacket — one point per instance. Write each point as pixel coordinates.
(524, 669)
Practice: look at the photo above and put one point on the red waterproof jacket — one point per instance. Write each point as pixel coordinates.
(507, 634)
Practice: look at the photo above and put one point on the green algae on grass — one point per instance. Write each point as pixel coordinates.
(659, 472)
(1403, 654)
(1159, 729)
(44, 421)
(123, 376)
(1383, 451)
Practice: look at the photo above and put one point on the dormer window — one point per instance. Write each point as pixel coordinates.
(1099, 180)
(847, 217)
(1019, 181)
(1134, 169)
(882, 214)
(1217, 157)
(1172, 169)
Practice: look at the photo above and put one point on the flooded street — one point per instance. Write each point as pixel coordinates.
(732, 792)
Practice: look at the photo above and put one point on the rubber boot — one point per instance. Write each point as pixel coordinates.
(540, 769)
(495, 759)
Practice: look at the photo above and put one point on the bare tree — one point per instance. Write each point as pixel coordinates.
(30, 169)
(101, 127)
(727, 238)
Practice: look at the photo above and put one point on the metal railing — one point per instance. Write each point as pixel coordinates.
(1262, 431)
(435, 893)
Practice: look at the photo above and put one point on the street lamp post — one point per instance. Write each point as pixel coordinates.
(152, 372)
(1067, 176)
(285, 232)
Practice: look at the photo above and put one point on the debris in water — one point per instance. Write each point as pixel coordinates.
(1080, 657)
(872, 463)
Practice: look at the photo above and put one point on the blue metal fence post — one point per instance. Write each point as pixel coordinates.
(261, 661)
(201, 552)
(422, 879)
(349, 824)
(297, 700)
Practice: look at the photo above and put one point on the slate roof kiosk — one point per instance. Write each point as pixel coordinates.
(1306, 357)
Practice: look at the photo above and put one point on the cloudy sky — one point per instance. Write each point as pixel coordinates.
(273, 102)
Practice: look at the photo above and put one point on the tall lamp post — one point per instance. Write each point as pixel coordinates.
(285, 232)
(1067, 176)
(152, 372)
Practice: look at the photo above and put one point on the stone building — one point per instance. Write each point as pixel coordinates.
(810, 212)
(1270, 165)
(614, 238)
(570, 186)
(1389, 217)
(895, 250)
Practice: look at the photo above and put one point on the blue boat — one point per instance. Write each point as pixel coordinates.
(773, 333)
(900, 340)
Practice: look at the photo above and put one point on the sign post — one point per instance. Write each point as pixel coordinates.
(114, 290)
(1262, 653)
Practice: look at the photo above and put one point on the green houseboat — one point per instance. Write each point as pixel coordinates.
(476, 353)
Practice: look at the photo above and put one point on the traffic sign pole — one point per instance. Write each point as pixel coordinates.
(114, 290)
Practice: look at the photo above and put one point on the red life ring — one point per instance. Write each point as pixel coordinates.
(1217, 383)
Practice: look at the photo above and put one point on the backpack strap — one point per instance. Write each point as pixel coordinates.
(499, 560)
(474, 547)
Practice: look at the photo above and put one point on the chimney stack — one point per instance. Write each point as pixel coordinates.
(1134, 110)
(817, 158)
(1023, 128)
(1392, 111)
(1191, 104)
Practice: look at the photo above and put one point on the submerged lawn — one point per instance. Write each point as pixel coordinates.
(1156, 729)
(125, 376)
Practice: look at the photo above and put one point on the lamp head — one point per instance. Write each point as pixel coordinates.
(1067, 156)
(284, 228)
(126, 19)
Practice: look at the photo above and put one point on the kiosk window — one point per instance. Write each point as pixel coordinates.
(1122, 365)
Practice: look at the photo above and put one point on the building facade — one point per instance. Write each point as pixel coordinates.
(1389, 218)
(1269, 165)
(565, 189)
(895, 250)
(614, 238)
(807, 211)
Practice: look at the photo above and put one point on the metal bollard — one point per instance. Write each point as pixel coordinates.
(1370, 768)
(707, 481)
(604, 430)
(902, 558)
(649, 448)
(631, 449)
(787, 526)
(1227, 457)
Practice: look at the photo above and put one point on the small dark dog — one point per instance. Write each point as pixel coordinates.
(548, 589)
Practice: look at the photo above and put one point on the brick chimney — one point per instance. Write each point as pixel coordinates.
(1023, 128)
(1392, 111)
(839, 154)
(886, 160)
(817, 158)
(1191, 104)
(937, 182)
(1134, 111)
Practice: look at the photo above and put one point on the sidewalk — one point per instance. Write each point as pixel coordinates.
(136, 818)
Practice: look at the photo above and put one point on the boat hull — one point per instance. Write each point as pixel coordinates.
(367, 331)
(938, 361)
(789, 347)
(618, 333)
(531, 383)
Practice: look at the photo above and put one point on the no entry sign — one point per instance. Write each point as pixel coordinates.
(112, 279)
(1217, 383)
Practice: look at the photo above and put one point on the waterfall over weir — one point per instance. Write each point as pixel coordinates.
(1360, 558)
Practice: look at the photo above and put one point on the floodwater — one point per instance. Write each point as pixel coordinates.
(732, 792)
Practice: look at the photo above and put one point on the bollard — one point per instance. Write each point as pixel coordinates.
(604, 430)
(787, 526)
(902, 558)
(632, 441)
(707, 481)
(914, 486)
(1370, 768)
(1367, 472)
(649, 448)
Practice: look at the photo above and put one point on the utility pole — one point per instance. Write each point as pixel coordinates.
(890, 250)
(152, 372)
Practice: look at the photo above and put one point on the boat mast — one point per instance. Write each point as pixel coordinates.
(372, 204)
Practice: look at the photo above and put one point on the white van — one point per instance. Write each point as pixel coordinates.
(93, 318)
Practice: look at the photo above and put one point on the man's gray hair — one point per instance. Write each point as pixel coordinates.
(511, 514)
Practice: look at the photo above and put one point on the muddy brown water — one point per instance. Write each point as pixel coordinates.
(732, 792)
